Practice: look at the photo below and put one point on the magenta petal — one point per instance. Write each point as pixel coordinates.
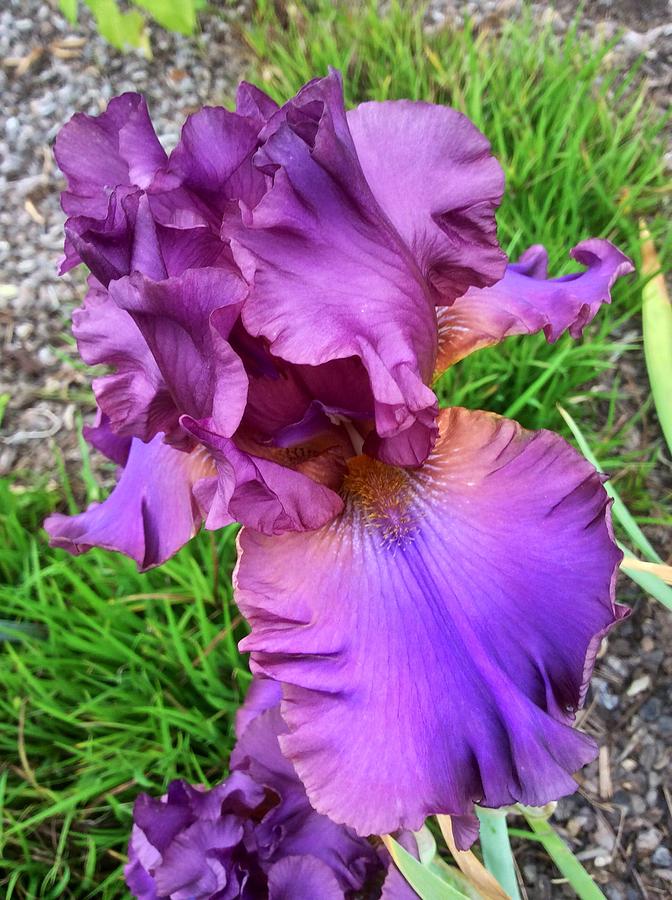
(330, 277)
(433, 173)
(191, 868)
(254, 103)
(125, 240)
(293, 827)
(258, 492)
(134, 397)
(303, 878)
(448, 619)
(148, 516)
(213, 144)
(214, 157)
(263, 694)
(525, 301)
(185, 322)
(100, 435)
(98, 153)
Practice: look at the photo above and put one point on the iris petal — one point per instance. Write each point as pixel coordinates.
(151, 512)
(185, 322)
(303, 878)
(330, 277)
(134, 397)
(435, 640)
(257, 491)
(525, 301)
(294, 821)
(214, 158)
(254, 103)
(433, 173)
(98, 153)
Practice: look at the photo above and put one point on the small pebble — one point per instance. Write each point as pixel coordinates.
(648, 840)
(643, 683)
(606, 697)
(665, 726)
(46, 356)
(651, 710)
(530, 873)
(662, 857)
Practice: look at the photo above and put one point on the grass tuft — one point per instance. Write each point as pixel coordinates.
(113, 682)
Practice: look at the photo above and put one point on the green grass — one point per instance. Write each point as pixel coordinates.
(124, 681)
(132, 680)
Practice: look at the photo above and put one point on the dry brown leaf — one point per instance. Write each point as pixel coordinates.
(71, 41)
(485, 883)
(604, 771)
(21, 64)
(34, 212)
(65, 53)
(663, 571)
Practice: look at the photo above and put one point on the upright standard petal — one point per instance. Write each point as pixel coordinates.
(433, 173)
(151, 512)
(185, 322)
(525, 301)
(447, 620)
(330, 277)
(134, 397)
(122, 241)
(214, 157)
(98, 153)
(254, 103)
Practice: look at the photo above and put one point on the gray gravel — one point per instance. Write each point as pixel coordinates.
(48, 71)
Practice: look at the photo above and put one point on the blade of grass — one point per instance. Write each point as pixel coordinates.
(619, 508)
(564, 859)
(16, 631)
(657, 331)
(535, 387)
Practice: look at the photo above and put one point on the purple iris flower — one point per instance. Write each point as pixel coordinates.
(254, 835)
(275, 299)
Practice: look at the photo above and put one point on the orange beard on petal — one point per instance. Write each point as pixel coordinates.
(383, 495)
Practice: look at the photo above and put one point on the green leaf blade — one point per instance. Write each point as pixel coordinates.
(657, 331)
(496, 847)
(69, 10)
(619, 508)
(426, 884)
(564, 859)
